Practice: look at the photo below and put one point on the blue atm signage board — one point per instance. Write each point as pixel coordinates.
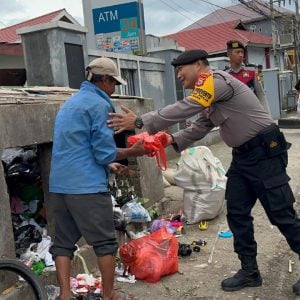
(117, 27)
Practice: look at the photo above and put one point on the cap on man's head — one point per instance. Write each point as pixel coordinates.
(104, 66)
(189, 57)
(235, 44)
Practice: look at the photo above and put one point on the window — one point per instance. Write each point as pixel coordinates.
(128, 75)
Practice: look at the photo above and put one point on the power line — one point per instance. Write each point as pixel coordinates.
(178, 11)
(189, 18)
(218, 11)
(219, 6)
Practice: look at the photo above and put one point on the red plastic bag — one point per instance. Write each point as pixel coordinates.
(152, 256)
(155, 143)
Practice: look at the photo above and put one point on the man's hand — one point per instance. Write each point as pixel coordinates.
(122, 122)
(118, 169)
(137, 149)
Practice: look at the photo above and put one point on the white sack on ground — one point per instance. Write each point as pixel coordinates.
(169, 175)
(203, 179)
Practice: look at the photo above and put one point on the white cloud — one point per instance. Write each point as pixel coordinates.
(162, 17)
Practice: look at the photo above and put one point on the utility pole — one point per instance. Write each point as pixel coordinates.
(274, 35)
(296, 38)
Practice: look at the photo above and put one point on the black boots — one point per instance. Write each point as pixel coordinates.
(296, 287)
(248, 276)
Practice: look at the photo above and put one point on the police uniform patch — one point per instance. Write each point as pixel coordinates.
(245, 74)
(235, 45)
(204, 91)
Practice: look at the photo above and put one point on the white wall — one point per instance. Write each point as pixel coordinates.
(256, 56)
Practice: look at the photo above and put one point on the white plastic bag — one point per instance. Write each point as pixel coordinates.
(135, 212)
(203, 179)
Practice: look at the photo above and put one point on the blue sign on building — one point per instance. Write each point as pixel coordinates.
(108, 19)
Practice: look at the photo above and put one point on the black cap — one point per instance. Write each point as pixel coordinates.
(189, 57)
(235, 44)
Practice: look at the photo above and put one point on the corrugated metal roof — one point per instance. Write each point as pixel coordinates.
(213, 38)
(236, 12)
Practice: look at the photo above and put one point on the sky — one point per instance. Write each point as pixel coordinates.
(162, 17)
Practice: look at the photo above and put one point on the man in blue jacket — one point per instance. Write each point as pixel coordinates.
(83, 153)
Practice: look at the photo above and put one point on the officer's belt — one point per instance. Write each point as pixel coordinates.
(254, 142)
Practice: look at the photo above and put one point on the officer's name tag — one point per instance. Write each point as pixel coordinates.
(204, 91)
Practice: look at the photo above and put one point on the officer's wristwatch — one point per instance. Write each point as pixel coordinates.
(138, 123)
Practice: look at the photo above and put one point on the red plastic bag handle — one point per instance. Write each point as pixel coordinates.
(155, 144)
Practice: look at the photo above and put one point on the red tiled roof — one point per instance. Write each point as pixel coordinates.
(9, 35)
(213, 38)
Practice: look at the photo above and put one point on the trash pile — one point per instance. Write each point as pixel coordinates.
(22, 175)
(147, 254)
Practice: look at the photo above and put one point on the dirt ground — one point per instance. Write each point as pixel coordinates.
(197, 279)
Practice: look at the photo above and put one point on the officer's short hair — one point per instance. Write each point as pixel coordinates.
(189, 57)
(235, 44)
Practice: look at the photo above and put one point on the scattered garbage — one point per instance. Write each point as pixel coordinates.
(22, 175)
(184, 250)
(52, 291)
(135, 212)
(84, 284)
(225, 234)
(203, 225)
(157, 224)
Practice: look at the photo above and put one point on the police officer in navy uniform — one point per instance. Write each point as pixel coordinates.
(259, 155)
(236, 54)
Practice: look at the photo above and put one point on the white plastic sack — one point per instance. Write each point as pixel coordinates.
(203, 179)
(199, 169)
(198, 206)
(168, 175)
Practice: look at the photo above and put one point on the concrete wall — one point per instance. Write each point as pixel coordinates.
(149, 74)
(44, 51)
(32, 123)
(21, 125)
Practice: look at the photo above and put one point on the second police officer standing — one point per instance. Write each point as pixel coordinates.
(236, 54)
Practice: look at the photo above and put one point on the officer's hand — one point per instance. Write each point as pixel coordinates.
(118, 169)
(169, 139)
(122, 122)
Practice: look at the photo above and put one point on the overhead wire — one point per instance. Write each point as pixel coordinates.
(178, 11)
(187, 17)
(212, 4)
(218, 11)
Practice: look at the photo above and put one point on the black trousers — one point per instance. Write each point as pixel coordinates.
(253, 175)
